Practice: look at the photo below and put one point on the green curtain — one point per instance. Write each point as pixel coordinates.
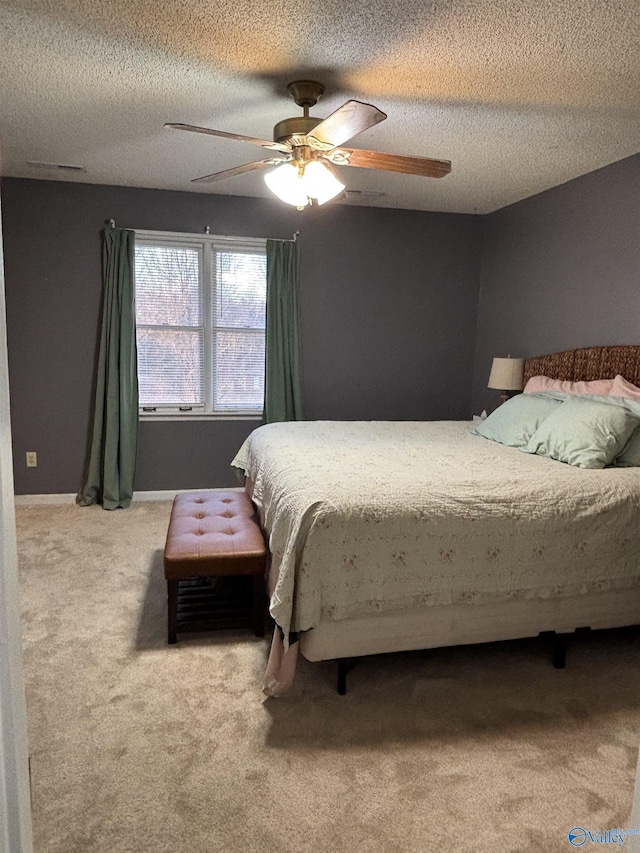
(112, 454)
(283, 389)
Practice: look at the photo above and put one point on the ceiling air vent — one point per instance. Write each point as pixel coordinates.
(56, 167)
(366, 193)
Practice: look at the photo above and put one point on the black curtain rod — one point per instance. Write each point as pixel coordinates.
(112, 224)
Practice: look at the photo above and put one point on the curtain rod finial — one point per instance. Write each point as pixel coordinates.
(296, 234)
(207, 230)
(111, 223)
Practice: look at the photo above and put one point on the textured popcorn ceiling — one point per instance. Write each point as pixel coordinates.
(521, 95)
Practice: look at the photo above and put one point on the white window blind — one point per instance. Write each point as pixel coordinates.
(200, 318)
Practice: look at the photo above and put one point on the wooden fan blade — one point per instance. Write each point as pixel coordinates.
(237, 170)
(276, 146)
(391, 162)
(346, 122)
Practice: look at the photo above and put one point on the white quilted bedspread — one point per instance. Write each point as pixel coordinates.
(373, 516)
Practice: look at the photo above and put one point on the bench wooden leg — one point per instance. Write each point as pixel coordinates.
(172, 611)
(259, 604)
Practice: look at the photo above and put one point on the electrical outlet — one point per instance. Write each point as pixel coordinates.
(32, 459)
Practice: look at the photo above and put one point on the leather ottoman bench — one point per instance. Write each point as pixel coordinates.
(211, 535)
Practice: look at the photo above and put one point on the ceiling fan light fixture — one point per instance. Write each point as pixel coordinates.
(305, 176)
(299, 184)
(285, 182)
(320, 183)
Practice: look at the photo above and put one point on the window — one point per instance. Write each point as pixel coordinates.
(200, 322)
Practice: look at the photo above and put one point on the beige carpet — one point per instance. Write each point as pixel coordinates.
(141, 748)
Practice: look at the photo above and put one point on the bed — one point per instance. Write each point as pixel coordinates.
(390, 536)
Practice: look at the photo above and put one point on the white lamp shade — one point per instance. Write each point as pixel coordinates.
(320, 182)
(297, 185)
(507, 374)
(286, 184)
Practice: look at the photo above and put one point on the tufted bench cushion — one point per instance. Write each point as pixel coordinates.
(213, 534)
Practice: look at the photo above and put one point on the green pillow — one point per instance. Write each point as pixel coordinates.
(515, 421)
(630, 456)
(585, 432)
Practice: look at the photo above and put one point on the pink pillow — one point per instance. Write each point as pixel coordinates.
(600, 387)
(622, 388)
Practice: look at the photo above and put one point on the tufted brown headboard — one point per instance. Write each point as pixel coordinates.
(588, 363)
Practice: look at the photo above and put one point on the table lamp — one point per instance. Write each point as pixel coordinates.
(507, 375)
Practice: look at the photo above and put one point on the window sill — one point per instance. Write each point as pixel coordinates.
(207, 416)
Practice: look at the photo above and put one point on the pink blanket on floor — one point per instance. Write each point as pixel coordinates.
(281, 666)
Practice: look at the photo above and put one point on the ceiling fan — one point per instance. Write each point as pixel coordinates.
(308, 147)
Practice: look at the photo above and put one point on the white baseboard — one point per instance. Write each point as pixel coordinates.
(27, 500)
(168, 495)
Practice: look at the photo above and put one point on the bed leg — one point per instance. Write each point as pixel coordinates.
(559, 651)
(345, 665)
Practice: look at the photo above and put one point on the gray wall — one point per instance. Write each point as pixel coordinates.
(388, 315)
(561, 270)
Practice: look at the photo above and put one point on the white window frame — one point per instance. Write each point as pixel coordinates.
(207, 244)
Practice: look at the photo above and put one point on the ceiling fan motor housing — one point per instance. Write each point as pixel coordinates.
(296, 126)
